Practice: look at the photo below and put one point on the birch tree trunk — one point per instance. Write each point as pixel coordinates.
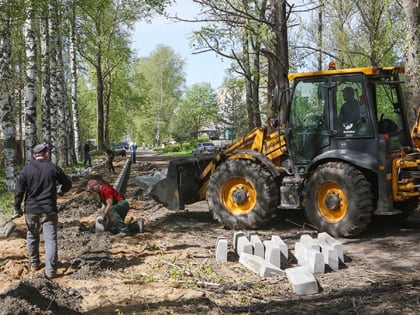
(412, 12)
(73, 73)
(45, 73)
(53, 79)
(64, 131)
(7, 124)
(30, 90)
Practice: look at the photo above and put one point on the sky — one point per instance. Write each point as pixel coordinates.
(206, 67)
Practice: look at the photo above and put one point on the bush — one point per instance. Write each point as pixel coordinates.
(172, 148)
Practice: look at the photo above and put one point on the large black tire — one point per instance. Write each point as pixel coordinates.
(339, 199)
(241, 194)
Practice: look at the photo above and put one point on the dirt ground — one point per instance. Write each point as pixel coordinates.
(171, 267)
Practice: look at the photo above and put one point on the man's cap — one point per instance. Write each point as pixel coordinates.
(90, 184)
(39, 148)
(348, 89)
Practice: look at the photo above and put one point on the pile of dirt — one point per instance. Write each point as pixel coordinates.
(40, 295)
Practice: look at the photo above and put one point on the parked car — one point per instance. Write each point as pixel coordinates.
(204, 148)
(119, 148)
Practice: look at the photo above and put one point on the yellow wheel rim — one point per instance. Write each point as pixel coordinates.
(332, 202)
(238, 196)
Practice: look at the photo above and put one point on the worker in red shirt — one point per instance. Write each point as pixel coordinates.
(116, 207)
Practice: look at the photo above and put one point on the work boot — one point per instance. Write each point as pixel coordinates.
(51, 276)
(34, 268)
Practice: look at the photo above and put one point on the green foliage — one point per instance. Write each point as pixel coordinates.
(163, 82)
(6, 197)
(6, 200)
(353, 33)
(172, 148)
(87, 109)
(232, 110)
(197, 110)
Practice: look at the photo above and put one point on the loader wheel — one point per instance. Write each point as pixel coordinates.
(338, 200)
(241, 194)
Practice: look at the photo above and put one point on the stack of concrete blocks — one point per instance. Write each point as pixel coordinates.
(253, 255)
(312, 256)
(270, 257)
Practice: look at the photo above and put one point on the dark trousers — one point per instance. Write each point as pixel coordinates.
(117, 214)
(110, 165)
(48, 223)
(87, 159)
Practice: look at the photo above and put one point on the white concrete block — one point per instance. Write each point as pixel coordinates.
(272, 253)
(221, 249)
(243, 245)
(325, 237)
(260, 266)
(302, 281)
(330, 256)
(284, 251)
(257, 244)
(310, 242)
(309, 257)
(236, 235)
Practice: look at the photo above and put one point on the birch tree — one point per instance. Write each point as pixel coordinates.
(63, 110)
(74, 90)
(53, 109)
(163, 71)
(45, 72)
(31, 75)
(101, 22)
(7, 124)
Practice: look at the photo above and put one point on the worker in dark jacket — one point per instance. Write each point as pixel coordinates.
(37, 187)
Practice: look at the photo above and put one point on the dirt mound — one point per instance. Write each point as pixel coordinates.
(39, 295)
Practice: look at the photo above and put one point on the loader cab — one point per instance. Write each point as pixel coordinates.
(343, 114)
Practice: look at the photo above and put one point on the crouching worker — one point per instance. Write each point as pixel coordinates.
(116, 208)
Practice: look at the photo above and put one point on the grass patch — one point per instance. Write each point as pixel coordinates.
(180, 154)
(6, 197)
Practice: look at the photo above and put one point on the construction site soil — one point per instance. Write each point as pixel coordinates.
(170, 268)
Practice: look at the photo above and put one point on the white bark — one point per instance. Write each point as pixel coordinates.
(73, 69)
(45, 72)
(7, 123)
(30, 90)
(53, 80)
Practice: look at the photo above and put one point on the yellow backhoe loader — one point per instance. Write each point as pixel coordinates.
(344, 153)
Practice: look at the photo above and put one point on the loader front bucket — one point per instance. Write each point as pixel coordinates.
(182, 183)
